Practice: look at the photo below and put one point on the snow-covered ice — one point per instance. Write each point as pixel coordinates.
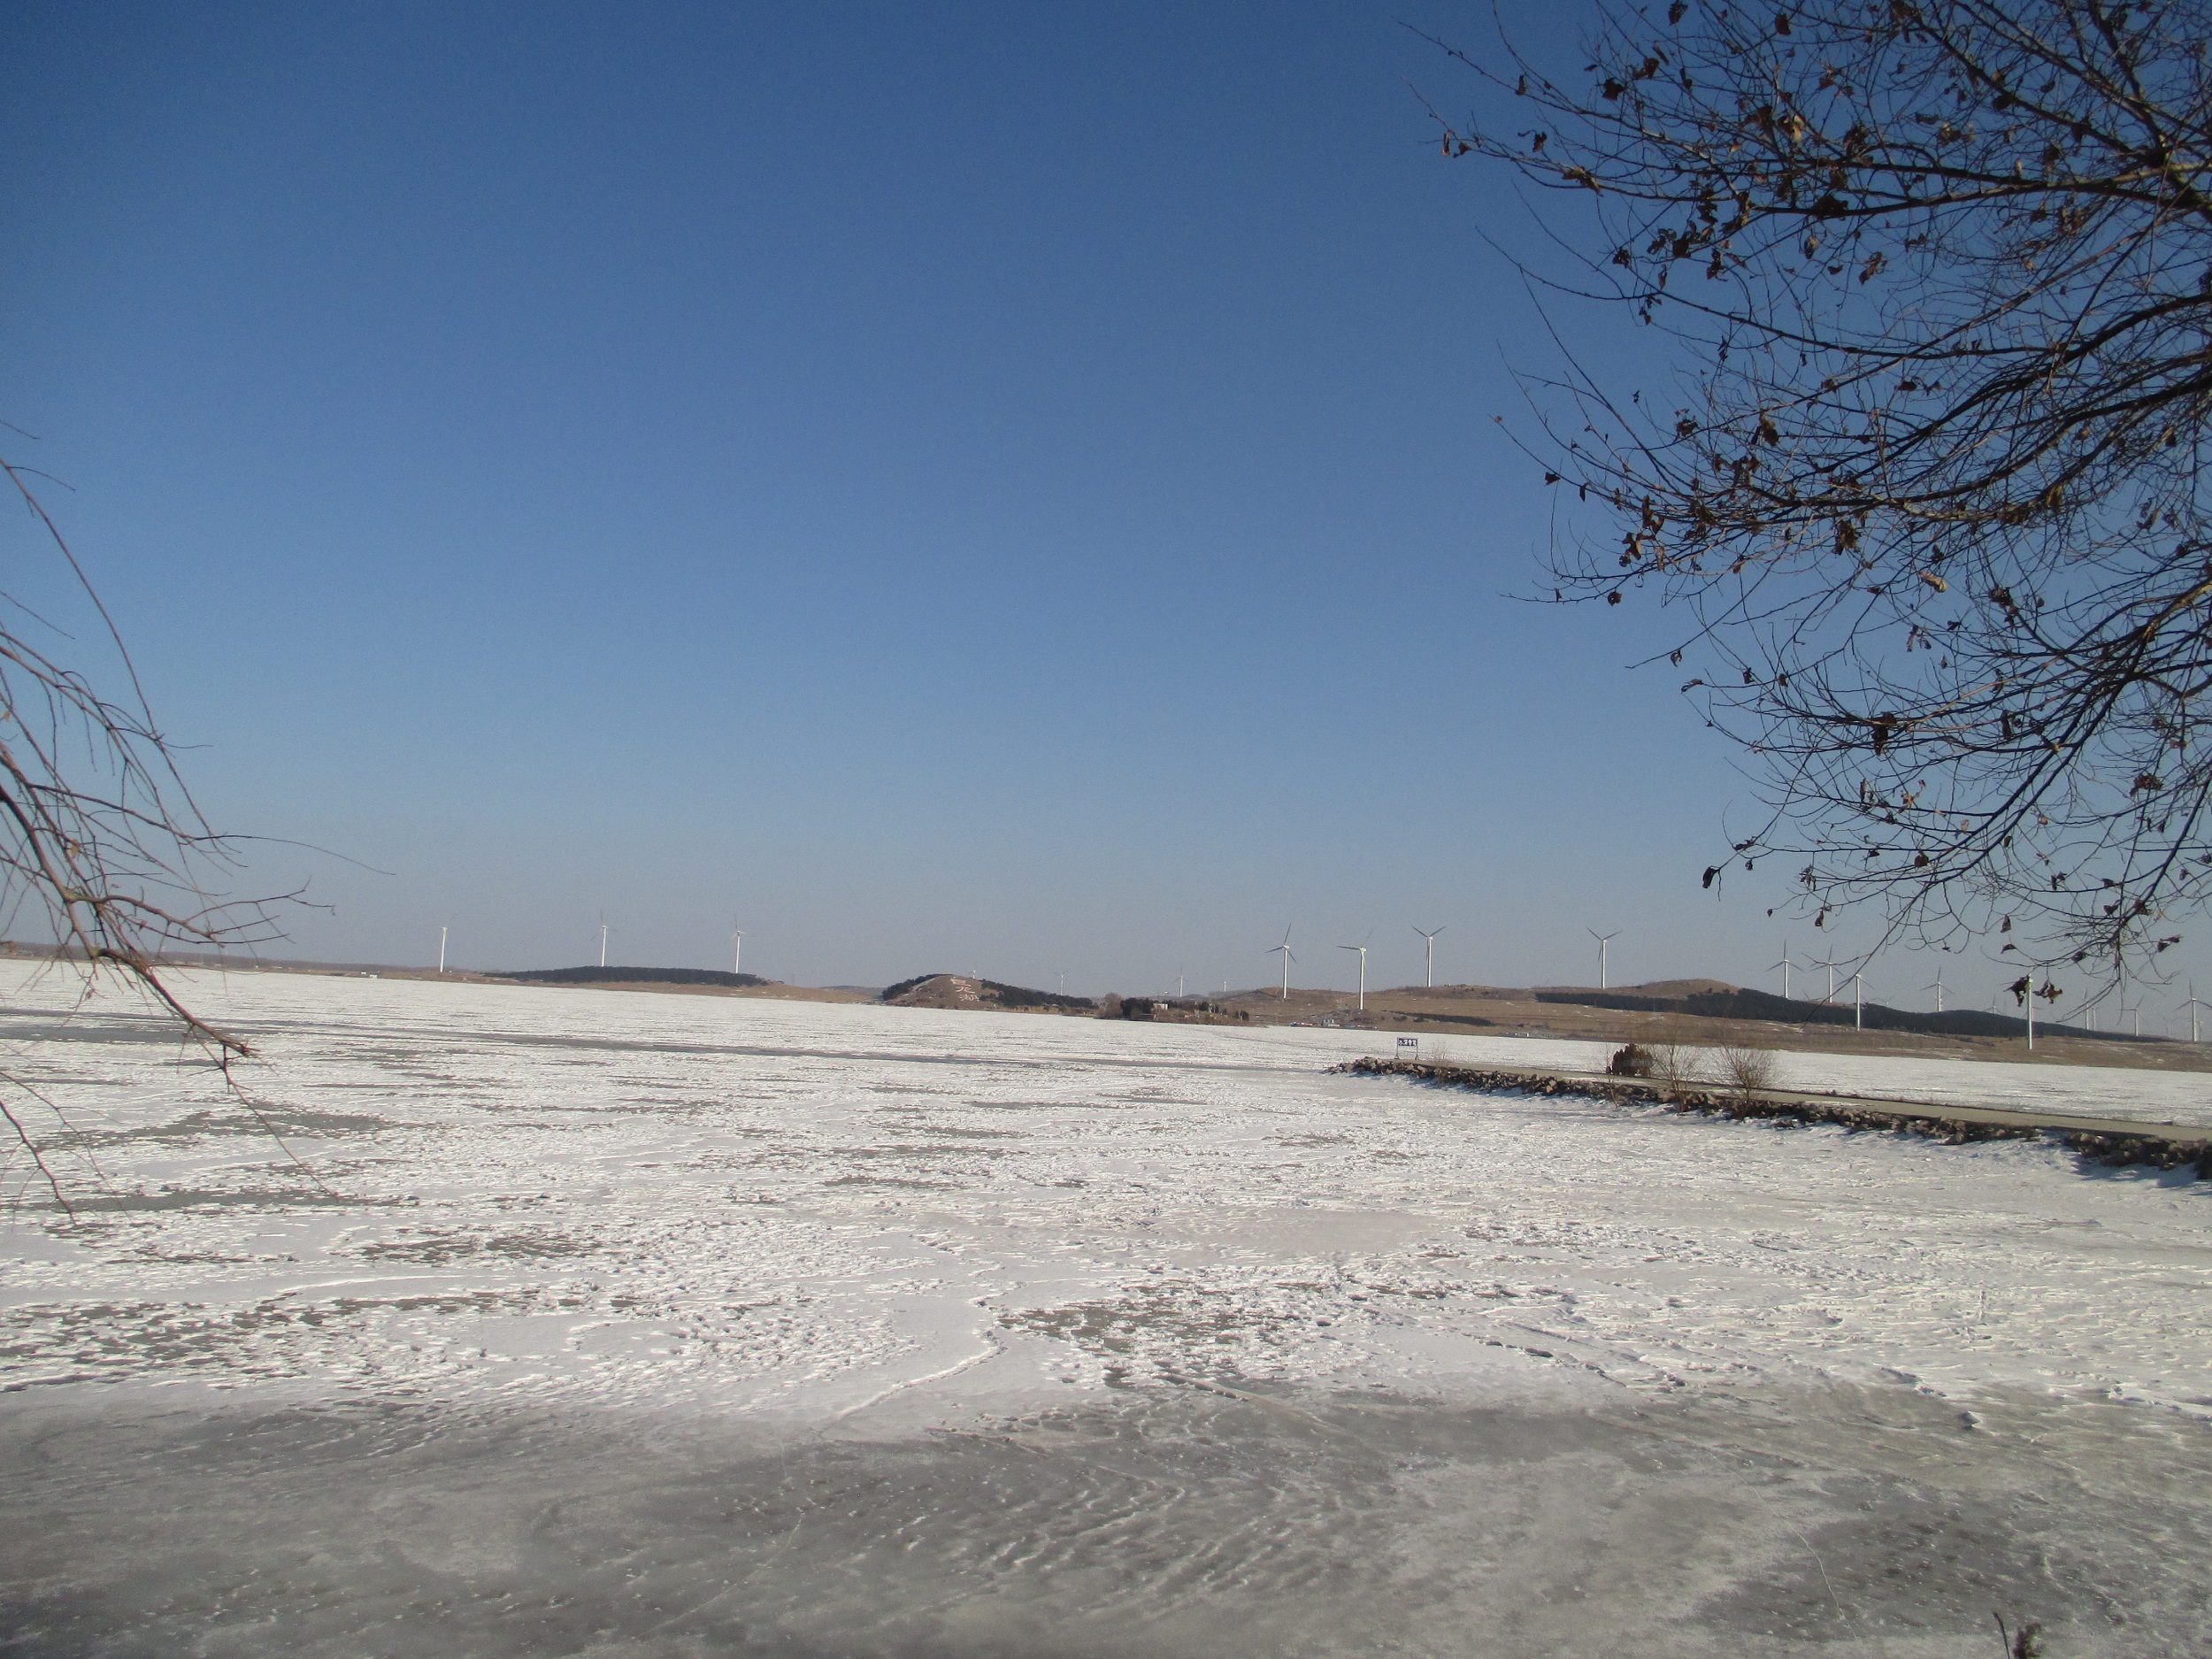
(1082, 1335)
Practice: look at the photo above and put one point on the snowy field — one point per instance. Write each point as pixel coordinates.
(579, 1321)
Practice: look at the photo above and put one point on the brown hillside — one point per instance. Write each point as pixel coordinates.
(1491, 1011)
(945, 990)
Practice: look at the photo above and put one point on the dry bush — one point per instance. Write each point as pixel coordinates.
(1676, 1066)
(1747, 1072)
(1634, 1060)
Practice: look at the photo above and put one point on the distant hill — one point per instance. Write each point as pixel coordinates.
(961, 990)
(633, 976)
(1728, 1001)
(1673, 988)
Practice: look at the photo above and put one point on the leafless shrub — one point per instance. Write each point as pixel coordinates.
(1747, 1072)
(1676, 1067)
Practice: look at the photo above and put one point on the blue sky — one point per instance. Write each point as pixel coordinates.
(1008, 488)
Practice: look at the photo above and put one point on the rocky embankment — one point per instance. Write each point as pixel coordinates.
(2157, 1150)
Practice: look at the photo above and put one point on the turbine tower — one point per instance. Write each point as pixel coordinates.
(1784, 965)
(602, 939)
(2195, 1007)
(1363, 973)
(1938, 988)
(2023, 991)
(737, 953)
(1289, 957)
(1858, 1004)
(1430, 949)
(1604, 939)
(441, 951)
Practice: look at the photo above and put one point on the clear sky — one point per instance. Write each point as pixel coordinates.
(1007, 488)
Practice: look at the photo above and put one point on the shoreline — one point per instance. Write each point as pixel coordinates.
(2111, 1141)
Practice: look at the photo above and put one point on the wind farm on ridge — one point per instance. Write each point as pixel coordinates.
(1847, 1014)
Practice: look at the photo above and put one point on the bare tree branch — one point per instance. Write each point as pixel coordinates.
(1929, 487)
(100, 836)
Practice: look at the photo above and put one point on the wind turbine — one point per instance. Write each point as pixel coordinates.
(737, 954)
(2194, 1007)
(1430, 949)
(1858, 1006)
(1784, 966)
(1063, 981)
(602, 939)
(1604, 939)
(1363, 971)
(2024, 983)
(1289, 957)
(441, 951)
(1831, 966)
(1938, 988)
(1178, 987)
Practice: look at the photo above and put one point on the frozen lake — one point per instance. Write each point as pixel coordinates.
(601, 1322)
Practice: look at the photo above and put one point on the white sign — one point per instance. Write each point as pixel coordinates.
(1408, 1042)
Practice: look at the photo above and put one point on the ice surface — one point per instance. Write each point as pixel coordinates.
(1843, 1521)
(721, 1324)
